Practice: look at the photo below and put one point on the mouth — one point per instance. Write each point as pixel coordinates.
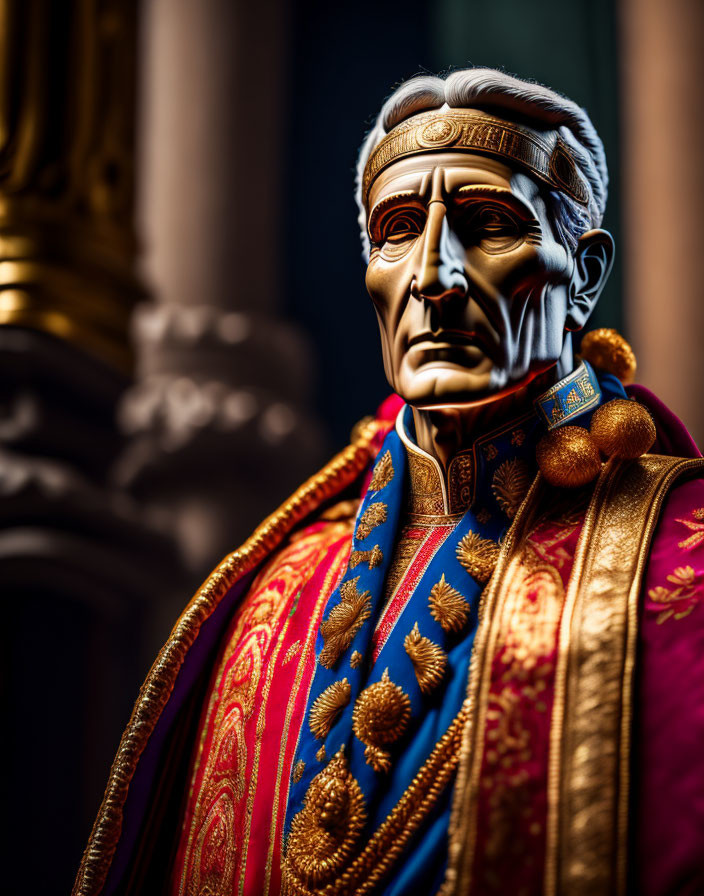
(448, 339)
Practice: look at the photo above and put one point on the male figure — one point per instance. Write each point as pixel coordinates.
(434, 688)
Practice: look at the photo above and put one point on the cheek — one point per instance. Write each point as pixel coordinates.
(525, 267)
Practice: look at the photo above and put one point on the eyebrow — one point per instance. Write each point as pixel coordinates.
(500, 194)
(388, 202)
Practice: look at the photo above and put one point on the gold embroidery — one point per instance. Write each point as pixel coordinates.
(380, 717)
(682, 599)
(511, 483)
(335, 572)
(448, 606)
(478, 556)
(158, 687)
(293, 651)
(327, 707)
(383, 473)
(343, 623)
(491, 451)
(572, 399)
(372, 517)
(356, 659)
(429, 660)
(425, 488)
(373, 557)
(518, 437)
(697, 526)
(298, 770)
(321, 755)
(460, 480)
(405, 551)
(389, 840)
(325, 831)
(483, 516)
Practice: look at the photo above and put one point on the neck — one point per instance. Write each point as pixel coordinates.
(444, 432)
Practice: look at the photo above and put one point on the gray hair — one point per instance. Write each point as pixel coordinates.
(496, 92)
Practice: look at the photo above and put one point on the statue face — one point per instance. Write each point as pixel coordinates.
(471, 287)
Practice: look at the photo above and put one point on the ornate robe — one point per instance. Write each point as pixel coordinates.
(346, 706)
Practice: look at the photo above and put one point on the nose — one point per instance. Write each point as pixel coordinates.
(440, 274)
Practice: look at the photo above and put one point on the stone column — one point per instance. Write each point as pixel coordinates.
(80, 566)
(663, 177)
(217, 419)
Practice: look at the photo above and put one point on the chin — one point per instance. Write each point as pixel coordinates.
(446, 387)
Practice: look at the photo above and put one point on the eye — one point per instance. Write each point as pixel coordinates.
(493, 228)
(399, 225)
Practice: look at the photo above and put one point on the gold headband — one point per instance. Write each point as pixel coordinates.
(468, 130)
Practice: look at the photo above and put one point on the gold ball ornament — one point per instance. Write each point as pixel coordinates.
(607, 350)
(623, 429)
(568, 457)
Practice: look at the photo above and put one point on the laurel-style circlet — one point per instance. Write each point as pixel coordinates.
(447, 606)
(428, 658)
(344, 621)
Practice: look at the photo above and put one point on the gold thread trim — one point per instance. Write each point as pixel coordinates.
(463, 815)
(588, 773)
(332, 479)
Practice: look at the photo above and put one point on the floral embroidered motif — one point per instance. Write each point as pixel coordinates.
(483, 516)
(328, 706)
(429, 659)
(680, 600)
(298, 770)
(491, 451)
(383, 473)
(696, 524)
(373, 557)
(518, 437)
(510, 485)
(448, 606)
(372, 517)
(380, 716)
(478, 556)
(321, 755)
(344, 621)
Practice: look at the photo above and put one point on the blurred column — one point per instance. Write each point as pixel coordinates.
(663, 177)
(80, 566)
(218, 422)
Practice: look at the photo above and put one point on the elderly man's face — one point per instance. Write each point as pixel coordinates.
(470, 285)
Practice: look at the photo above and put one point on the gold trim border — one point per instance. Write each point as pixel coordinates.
(588, 771)
(340, 472)
(463, 817)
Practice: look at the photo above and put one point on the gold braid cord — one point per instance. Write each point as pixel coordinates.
(332, 816)
(156, 690)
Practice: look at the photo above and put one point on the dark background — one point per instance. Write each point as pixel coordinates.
(344, 61)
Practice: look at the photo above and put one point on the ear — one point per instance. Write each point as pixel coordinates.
(593, 260)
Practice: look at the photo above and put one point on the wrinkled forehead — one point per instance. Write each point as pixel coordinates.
(453, 174)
